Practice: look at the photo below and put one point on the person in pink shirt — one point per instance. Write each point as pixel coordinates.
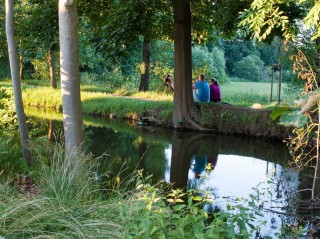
(215, 92)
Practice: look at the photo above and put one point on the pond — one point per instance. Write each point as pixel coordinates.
(229, 168)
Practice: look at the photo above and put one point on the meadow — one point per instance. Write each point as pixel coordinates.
(233, 92)
(249, 93)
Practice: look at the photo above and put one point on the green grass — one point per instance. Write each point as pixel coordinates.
(97, 99)
(249, 93)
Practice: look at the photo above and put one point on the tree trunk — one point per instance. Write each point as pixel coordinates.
(51, 130)
(183, 105)
(32, 70)
(23, 128)
(318, 61)
(183, 100)
(70, 77)
(53, 81)
(145, 66)
(21, 73)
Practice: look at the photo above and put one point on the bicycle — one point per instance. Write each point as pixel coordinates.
(167, 86)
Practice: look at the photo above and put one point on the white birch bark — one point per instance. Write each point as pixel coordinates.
(70, 77)
(14, 68)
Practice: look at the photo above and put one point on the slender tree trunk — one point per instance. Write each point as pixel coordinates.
(316, 177)
(53, 81)
(183, 100)
(21, 73)
(318, 61)
(70, 77)
(23, 128)
(32, 71)
(145, 66)
(51, 130)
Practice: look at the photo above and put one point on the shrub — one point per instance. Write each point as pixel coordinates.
(8, 118)
(249, 67)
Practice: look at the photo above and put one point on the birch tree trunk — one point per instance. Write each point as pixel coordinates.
(70, 76)
(13, 59)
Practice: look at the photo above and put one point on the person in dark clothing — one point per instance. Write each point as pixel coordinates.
(215, 92)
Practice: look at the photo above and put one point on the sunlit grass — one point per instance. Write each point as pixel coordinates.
(102, 100)
(249, 93)
(153, 95)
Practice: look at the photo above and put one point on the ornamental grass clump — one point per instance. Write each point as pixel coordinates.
(67, 203)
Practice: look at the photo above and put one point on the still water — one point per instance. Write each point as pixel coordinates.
(230, 168)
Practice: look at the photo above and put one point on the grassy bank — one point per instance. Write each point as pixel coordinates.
(67, 201)
(102, 104)
(157, 107)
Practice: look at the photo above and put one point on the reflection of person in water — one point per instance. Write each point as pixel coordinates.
(200, 162)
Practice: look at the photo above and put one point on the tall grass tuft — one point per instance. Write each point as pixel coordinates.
(67, 205)
(69, 179)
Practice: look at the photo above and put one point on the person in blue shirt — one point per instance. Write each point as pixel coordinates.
(201, 90)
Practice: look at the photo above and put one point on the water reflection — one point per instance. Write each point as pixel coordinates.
(226, 166)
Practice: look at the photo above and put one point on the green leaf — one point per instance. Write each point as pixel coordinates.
(293, 119)
(278, 111)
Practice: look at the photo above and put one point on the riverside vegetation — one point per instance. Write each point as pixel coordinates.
(68, 202)
(154, 108)
(125, 103)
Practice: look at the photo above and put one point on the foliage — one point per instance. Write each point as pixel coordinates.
(225, 15)
(201, 62)
(119, 24)
(279, 17)
(3, 43)
(90, 59)
(41, 68)
(235, 50)
(219, 65)
(10, 149)
(11, 160)
(7, 110)
(251, 68)
(5, 67)
(212, 64)
(180, 214)
(161, 62)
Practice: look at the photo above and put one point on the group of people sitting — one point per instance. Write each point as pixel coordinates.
(204, 92)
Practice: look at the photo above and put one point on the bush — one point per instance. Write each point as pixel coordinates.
(250, 67)
(219, 65)
(8, 117)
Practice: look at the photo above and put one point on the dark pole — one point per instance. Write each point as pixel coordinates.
(279, 81)
(272, 70)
